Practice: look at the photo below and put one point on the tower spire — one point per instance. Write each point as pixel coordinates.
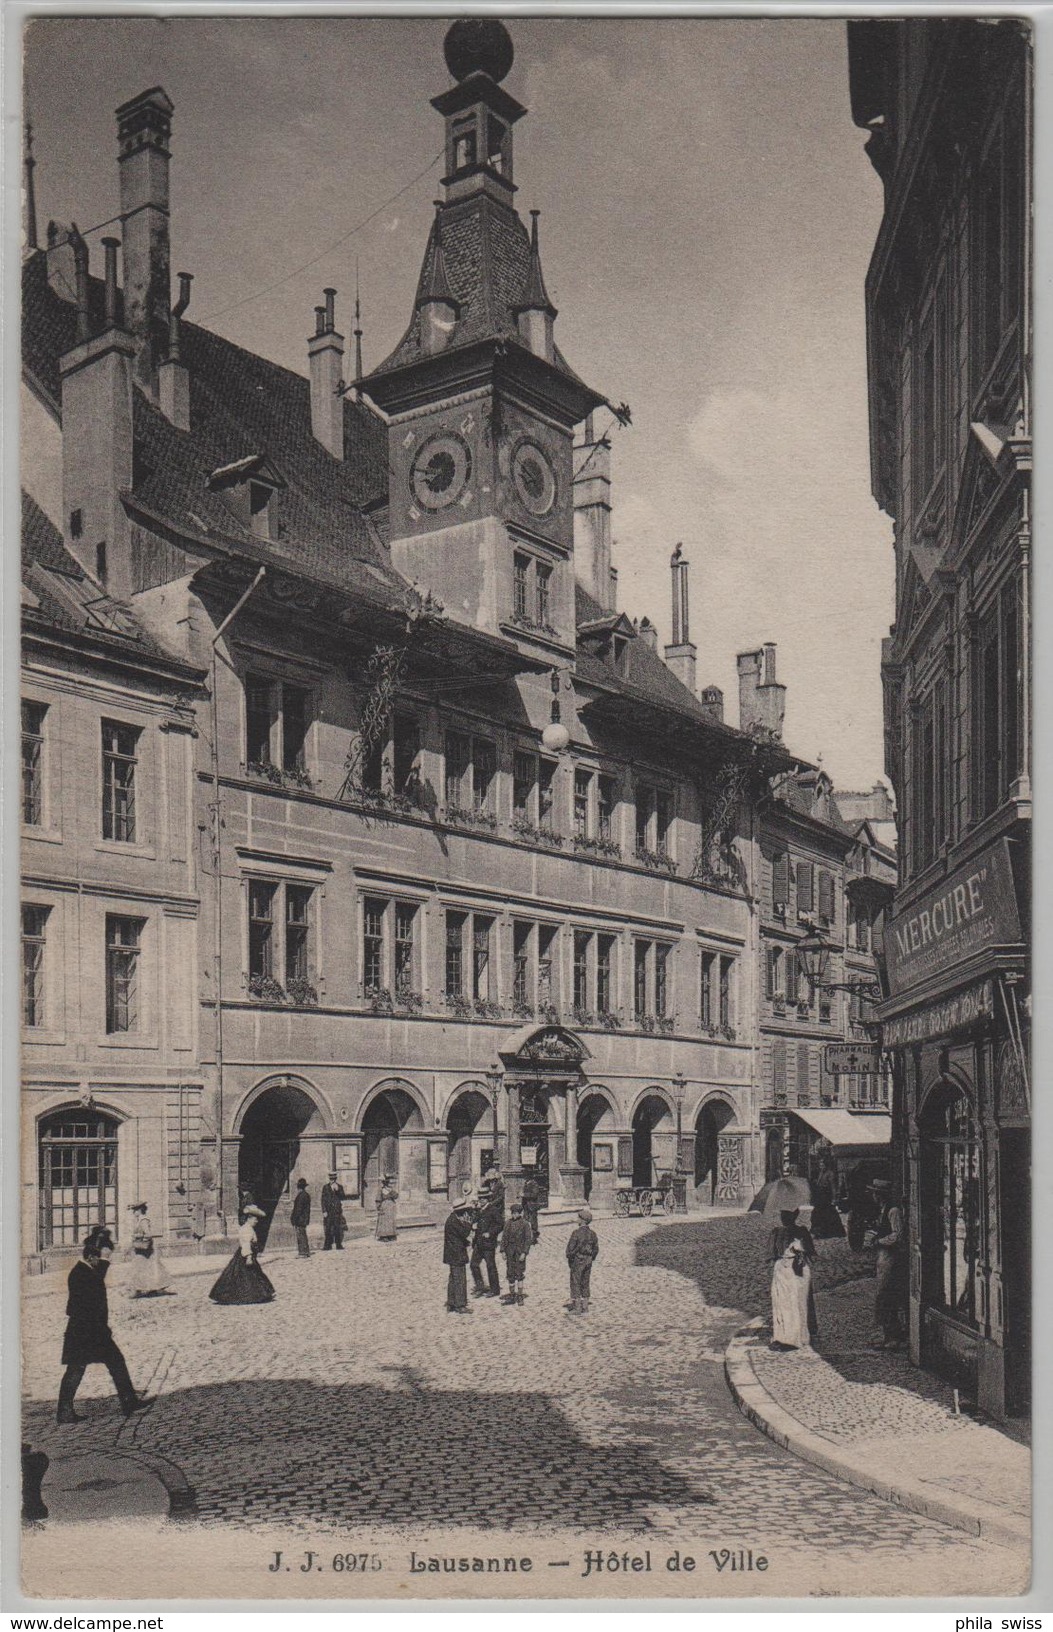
(357, 330)
(535, 296)
(29, 164)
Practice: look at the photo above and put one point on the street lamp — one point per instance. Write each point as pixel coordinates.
(813, 953)
(679, 1087)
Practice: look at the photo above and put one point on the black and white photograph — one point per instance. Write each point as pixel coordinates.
(525, 806)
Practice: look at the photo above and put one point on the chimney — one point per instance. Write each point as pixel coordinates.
(439, 309)
(535, 313)
(681, 653)
(173, 380)
(592, 517)
(646, 631)
(96, 380)
(712, 700)
(144, 126)
(61, 269)
(762, 703)
(325, 351)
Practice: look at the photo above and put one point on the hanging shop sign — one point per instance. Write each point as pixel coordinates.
(975, 908)
(939, 1019)
(851, 1059)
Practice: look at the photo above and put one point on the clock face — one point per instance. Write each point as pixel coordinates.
(534, 478)
(442, 467)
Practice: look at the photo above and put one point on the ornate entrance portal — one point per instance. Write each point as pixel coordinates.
(543, 1075)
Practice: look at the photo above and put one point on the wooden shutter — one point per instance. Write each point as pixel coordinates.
(780, 887)
(778, 1070)
(804, 1074)
(769, 972)
(805, 886)
(826, 895)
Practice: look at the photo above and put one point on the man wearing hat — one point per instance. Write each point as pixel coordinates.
(333, 1221)
(889, 1236)
(582, 1251)
(300, 1217)
(456, 1235)
(489, 1223)
(88, 1340)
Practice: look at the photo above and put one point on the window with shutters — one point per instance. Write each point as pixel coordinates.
(780, 883)
(805, 888)
(826, 896)
(778, 1067)
(791, 982)
(524, 786)
(775, 974)
(804, 1074)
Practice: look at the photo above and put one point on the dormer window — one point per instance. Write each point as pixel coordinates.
(248, 487)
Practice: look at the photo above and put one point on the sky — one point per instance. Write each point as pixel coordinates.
(707, 218)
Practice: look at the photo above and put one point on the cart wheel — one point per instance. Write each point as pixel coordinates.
(621, 1203)
(646, 1202)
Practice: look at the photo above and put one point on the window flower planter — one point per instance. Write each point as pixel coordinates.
(656, 862)
(606, 849)
(266, 990)
(302, 994)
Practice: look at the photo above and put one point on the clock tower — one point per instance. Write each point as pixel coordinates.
(480, 401)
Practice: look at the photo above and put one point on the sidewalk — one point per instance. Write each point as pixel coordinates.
(870, 1417)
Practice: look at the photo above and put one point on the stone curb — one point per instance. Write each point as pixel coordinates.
(977, 1518)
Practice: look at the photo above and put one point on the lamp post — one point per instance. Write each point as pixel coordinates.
(494, 1077)
(679, 1087)
(813, 952)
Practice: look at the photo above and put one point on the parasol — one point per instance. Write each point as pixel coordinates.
(781, 1195)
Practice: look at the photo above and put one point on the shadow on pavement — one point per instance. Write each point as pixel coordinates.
(408, 1455)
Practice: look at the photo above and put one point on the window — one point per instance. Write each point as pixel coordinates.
(261, 929)
(547, 795)
(930, 776)
(780, 882)
(582, 803)
(78, 1176)
(543, 581)
(522, 984)
(606, 798)
(455, 926)
(405, 752)
(790, 981)
(805, 887)
(641, 958)
(120, 744)
(34, 925)
(484, 772)
(458, 758)
(482, 930)
(471, 772)
(727, 969)
(405, 947)
(661, 981)
(33, 716)
(520, 576)
(464, 144)
(546, 984)
(997, 261)
(778, 1065)
(706, 1011)
(996, 735)
(582, 950)
(297, 924)
(278, 716)
(605, 973)
(524, 785)
(774, 974)
(654, 817)
(952, 1190)
(804, 1074)
(438, 1164)
(644, 813)
(663, 812)
(123, 952)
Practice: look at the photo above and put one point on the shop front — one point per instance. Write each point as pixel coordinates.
(957, 1023)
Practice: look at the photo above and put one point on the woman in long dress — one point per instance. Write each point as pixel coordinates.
(243, 1281)
(386, 1228)
(792, 1303)
(147, 1273)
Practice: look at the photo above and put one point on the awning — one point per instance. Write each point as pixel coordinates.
(844, 1128)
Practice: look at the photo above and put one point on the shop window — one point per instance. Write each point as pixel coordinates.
(120, 764)
(952, 1190)
(33, 717)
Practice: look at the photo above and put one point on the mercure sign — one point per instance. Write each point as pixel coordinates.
(975, 908)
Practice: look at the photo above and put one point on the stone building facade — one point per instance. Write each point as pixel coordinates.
(948, 106)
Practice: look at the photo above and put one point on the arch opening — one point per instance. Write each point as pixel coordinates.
(595, 1117)
(390, 1113)
(654, 1140)
(714, 1116)
(469, 1128)
(282, 1137)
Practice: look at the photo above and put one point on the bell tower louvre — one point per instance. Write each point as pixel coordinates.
(481, 403)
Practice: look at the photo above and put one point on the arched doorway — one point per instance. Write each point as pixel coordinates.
(469, 1125)
(654, 1140)
(282, 1139)
(595, 1118)
(714, 1115)
(78, 1174)
(389, 1113)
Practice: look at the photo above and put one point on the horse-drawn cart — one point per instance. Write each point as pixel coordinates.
(639, 1201)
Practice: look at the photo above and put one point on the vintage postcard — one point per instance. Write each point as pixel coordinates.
(525, 807)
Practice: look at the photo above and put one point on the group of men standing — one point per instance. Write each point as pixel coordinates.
(477, 1229)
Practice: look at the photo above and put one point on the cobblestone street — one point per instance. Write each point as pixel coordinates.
(355, 1406)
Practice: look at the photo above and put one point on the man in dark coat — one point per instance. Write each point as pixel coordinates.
(488, 1226)
(88, 1340)
(456, 1235)
(532, 1206)
(333, 1222)
(300, 1217)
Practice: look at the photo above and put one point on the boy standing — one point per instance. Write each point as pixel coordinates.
(582, 1249)
(515, 1244)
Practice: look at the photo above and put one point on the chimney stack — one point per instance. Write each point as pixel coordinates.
(144, 126)
(762, 702)
(325, 351)
(680, 655)
(592, 517)
(173, 379)
(96, 377)
(646, 631)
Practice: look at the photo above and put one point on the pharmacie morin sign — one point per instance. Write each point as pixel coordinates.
(972, 910)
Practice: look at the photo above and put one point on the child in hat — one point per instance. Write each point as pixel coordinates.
(516, 1241)
(582, 1251)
